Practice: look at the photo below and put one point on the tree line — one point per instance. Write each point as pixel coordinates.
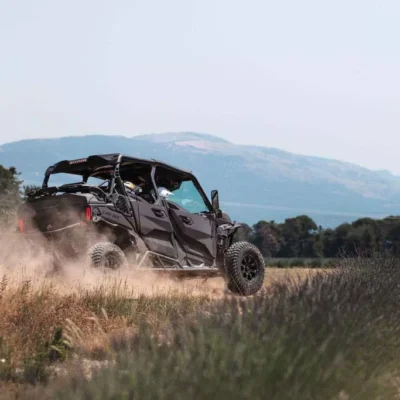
(297, 237)
(300, 237)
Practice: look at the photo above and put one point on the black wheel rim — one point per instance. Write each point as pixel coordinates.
(111, 261)
(249, 267)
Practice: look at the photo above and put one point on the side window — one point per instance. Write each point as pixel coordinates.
(188, 197)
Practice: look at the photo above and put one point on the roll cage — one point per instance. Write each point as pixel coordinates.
(117, 167)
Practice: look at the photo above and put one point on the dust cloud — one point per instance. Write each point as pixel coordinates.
(22, 261)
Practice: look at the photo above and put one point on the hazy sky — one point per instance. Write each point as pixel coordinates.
(313, 77)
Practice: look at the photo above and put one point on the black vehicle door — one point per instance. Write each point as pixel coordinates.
(156, 228)
(193, 223)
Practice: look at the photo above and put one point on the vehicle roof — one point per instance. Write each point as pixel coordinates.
(90, 164)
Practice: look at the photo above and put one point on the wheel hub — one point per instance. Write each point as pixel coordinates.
(111, 261)
(249, 268)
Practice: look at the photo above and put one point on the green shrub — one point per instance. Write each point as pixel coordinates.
(298, 262)
(317, 263)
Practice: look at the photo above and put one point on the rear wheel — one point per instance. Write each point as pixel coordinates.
(107, 255)
(244, 269)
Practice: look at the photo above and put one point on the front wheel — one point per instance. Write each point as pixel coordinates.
(244, 269)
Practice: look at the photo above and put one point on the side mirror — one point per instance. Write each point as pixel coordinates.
(215, 200)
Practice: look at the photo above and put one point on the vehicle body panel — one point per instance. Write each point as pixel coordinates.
(156, 229)
(196, 234)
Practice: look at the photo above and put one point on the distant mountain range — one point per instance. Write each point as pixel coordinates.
(255, 183)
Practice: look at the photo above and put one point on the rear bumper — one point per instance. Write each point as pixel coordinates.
(67, 242)
(63, 239)
(52, 233)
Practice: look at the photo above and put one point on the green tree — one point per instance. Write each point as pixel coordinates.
(267, 238)
(298, 237)
(10, 195)
(244, 233)
(339, 240)
(318, 242)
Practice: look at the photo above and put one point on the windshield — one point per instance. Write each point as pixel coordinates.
(189, 198)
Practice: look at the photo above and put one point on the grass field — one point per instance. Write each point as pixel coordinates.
(310, 334)
(300, 262)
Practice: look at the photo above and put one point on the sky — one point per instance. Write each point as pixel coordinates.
(312, 77)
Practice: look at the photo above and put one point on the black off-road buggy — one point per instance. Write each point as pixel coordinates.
(162, 220)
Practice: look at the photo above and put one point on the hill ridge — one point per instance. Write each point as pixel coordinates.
(276, 180)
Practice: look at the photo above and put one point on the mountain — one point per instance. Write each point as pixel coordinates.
(254, 182)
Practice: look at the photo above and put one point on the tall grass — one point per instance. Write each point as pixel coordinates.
(301, 262)
(42, 324)
(331, 336)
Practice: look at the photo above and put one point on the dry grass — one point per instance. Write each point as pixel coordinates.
(29, 316)
(93, 313)
(30, 312)
(317, 335)
(284, 275)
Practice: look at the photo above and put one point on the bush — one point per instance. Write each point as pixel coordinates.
(298, 262)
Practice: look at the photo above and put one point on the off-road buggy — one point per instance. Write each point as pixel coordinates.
(166, 223)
